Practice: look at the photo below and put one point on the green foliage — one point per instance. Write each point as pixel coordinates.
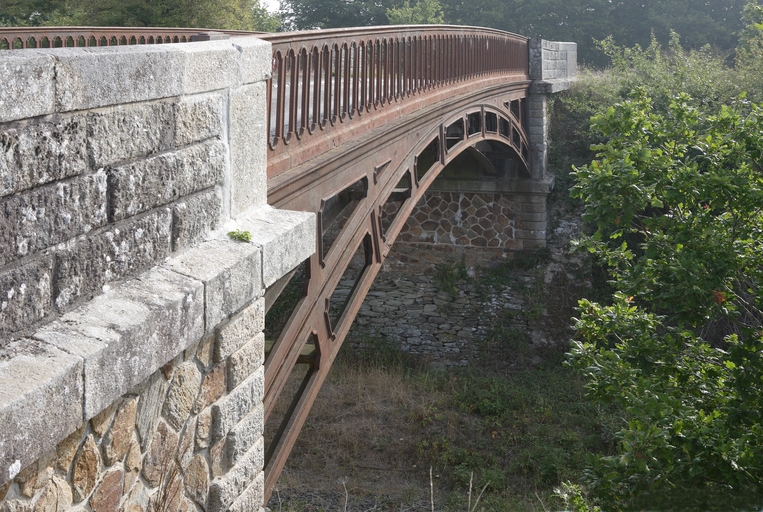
(675, 199)
(701, 22)
(241, 236)
(315, 14)
(753, 17)
(421, 13)
(676, 203)
(446, 277)
(572, 497)
(662, 73)
(28, 12)
(750, 52)
(219, 14)
(527, 431)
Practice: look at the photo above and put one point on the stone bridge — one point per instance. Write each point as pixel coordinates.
(135, 372)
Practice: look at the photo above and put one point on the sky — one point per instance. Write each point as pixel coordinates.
(270, 5)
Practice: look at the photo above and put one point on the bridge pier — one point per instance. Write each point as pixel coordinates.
(553, 68)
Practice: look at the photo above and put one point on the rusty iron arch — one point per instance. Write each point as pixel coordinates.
(363, 233)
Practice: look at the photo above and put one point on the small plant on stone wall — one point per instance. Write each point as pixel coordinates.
(170, 486)
(448, 276)
(240, 235)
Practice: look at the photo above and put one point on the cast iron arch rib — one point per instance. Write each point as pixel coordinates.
(398, 149)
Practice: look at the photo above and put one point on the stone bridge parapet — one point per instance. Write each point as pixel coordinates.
(130, 323)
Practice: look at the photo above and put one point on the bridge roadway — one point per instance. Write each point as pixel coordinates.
(362, 118)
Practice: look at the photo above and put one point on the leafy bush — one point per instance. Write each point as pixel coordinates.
(709, 77)
(675, 199)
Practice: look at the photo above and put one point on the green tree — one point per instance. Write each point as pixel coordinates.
(215, 14)
(28, 12)
(700, 22)
(314, 14)
(423, 12)
(676, 199)
(750, 51)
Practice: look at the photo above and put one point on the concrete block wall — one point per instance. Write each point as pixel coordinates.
(131, 344)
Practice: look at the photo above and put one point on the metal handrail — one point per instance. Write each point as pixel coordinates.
(325, 78)
(17, 38)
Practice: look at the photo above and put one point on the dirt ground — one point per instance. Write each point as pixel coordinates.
(374, 430)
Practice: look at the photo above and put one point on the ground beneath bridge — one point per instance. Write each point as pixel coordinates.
(454, 363)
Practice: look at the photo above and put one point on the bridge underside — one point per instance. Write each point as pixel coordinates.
(363, 193)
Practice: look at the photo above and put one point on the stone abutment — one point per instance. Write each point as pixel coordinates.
(131, 345)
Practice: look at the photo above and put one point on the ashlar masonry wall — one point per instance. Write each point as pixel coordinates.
(131, 346)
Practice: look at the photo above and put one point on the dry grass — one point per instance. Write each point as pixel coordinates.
(513, 423)
(379, 426)
(359, 431)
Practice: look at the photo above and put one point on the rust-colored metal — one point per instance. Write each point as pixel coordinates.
(306, 188)
(382, 96)
(368, 76)
(17, 38)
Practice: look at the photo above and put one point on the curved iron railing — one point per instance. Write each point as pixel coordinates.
(325, 78)
(17, 38)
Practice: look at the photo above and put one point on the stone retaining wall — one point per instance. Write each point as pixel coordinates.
(131, 344)
(407, 308)
(473, 219)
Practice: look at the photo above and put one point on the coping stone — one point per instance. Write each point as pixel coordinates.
(111, 75)
(210, 65)
(256, 58)
(128, 332)
(28, 89)
(231, 274)
(550, 86)
(41, 392)
(287, 239)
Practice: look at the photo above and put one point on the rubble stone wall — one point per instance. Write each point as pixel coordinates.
(472, 219)
(131, 345)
